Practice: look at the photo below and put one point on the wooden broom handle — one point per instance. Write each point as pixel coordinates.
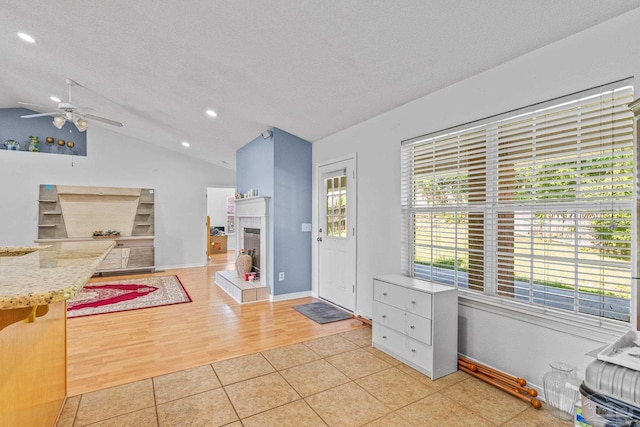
(520, 381)
(533, 401)
(506, 379)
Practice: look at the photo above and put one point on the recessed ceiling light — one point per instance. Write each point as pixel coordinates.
(212, 113)
(185, 144)
(26, 37)
(54, 99)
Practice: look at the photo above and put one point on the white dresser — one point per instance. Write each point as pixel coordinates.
(417, 323)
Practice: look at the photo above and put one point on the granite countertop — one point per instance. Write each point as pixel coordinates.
(44, 274)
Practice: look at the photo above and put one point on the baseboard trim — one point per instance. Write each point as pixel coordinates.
(293, 295)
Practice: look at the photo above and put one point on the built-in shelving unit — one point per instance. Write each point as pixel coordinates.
(73, 213)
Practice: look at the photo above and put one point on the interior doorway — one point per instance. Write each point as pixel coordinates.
(220, 227)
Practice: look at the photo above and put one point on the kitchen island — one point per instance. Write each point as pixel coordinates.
(35, 283)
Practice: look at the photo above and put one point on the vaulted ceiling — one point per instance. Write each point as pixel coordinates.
(309, 67)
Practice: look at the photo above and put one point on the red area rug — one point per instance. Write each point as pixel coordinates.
(124, 295)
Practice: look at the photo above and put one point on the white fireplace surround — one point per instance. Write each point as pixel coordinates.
(253, 212)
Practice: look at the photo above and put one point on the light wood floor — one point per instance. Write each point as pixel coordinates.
(117, 348)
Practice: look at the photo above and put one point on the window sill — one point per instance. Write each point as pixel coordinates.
(603, 330)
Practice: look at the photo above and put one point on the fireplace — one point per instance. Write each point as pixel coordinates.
(252, 247)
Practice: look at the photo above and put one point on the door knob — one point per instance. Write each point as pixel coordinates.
(319, 239)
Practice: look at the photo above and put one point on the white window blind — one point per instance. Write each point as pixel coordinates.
(535, 206)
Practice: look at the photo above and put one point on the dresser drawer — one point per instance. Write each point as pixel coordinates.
(418, 328)
(393, 341)
(390, 294)
(389, 316)
(419, 303)
(419, 354)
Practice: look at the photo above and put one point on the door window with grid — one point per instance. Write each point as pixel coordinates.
(535, 206)
(336, 213)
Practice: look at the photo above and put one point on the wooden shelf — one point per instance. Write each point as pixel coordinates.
(51, 213)
(46, 225)
(47, 201)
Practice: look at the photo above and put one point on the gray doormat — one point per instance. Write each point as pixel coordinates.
(321, 312)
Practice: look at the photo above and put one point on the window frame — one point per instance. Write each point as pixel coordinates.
(488, 300)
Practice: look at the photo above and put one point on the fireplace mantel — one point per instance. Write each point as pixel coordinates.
(252, 207)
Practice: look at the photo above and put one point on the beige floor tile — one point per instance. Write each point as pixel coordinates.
(495, 404)
(358, 363)
(439, 384)
(536, 418)
(184, 383)
(68, 414)
(384, 356)
(328, 346)
(234, 424)
(291, 355)
(211, 408)
(314, 377)
(142, 418)
(347, 405)
(111, 402)
(390, 420)
(242, 368)
(360, 337)
(260, 394)
(438, 410)
(394, 388)
(294, 414)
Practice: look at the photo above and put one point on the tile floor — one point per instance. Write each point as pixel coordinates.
(339, 380)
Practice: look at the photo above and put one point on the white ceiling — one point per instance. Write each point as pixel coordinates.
(309, 67)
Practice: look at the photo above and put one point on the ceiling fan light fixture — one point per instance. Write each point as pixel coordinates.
(59, 121)
(81, 124)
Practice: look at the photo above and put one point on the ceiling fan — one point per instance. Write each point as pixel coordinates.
(68, 112)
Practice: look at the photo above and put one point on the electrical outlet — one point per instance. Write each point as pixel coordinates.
(281, 275)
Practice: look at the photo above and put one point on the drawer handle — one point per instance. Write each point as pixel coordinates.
(413, 302)
(384, 337)
(412, 327)
(384, 294)
(384, 316)
(413, 350)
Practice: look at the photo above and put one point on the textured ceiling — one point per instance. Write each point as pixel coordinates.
(311, 68)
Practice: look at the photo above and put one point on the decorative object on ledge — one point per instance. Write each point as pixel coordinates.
(106, 234)
(34, 144)
(11, 144)
(50, 140)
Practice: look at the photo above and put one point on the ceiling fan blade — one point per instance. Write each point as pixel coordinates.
(33, 105)
(102, 119)
(30, 116)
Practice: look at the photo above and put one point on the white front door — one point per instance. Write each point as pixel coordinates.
(337, 233)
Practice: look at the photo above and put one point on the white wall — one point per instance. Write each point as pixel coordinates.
(113, 160)
(217, 210)
(599, 55)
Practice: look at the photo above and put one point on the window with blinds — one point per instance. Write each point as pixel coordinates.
(534, 206)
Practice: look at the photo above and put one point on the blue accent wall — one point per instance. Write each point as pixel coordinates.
(280, 167)
(12, 126)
